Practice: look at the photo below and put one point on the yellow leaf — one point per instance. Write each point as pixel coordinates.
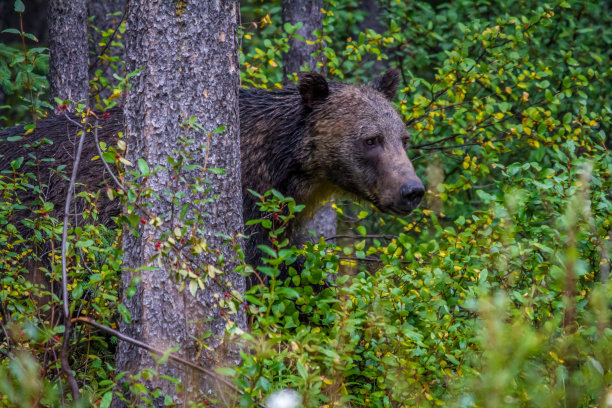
(553, 355)
(273, 63)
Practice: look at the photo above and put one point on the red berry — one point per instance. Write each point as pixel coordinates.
(142, 220)
(118, 156)
(56, 338)
(226, 295)
(42, 372)
(275, 215)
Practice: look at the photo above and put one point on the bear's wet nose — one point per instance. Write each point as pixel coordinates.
(412, 193)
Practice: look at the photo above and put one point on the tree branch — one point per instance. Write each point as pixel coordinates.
(147, 347)
(67, 322)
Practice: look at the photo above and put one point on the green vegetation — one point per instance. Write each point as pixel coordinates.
(494, 293)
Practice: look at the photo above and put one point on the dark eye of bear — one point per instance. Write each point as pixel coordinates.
(371, 141)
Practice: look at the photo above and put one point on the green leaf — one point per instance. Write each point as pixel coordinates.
(30, 36)
(106, 400)
(302, 370)
(143, 167)
(19, 6)
(166, 355)
(125, 313)
(567, 118)
(226, 371)
(84, 244)
(16, 164)
(108, 157)
(193, 287)
(218, 130)
(217, 171)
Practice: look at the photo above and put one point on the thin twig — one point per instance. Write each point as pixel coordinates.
(66, 341)
(104, 161)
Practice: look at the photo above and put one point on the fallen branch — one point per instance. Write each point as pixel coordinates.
(171, 356)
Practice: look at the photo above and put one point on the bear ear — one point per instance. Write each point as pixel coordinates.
(313, 88)
(388, 83)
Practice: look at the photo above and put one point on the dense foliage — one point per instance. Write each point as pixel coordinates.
(494, 293)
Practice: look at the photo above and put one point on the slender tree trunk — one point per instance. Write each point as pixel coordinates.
(105, 18)
(300, 55)
(373, 22)
(189, 55)
(67, 21)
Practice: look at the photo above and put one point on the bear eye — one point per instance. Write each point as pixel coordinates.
(371, 141)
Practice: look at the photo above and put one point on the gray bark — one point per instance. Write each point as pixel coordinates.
(67, 23)
(323, 222)
(300, 53)
(189, 51)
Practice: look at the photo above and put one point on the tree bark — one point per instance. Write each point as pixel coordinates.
(323, 222)
(67, 21)
(189, 51)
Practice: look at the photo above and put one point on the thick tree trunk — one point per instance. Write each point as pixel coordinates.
(323, 222)
(67, 23)
(189, 51)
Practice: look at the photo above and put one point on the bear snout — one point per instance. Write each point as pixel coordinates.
(411, 194)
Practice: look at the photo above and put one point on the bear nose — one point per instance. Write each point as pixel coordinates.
(412, 192)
